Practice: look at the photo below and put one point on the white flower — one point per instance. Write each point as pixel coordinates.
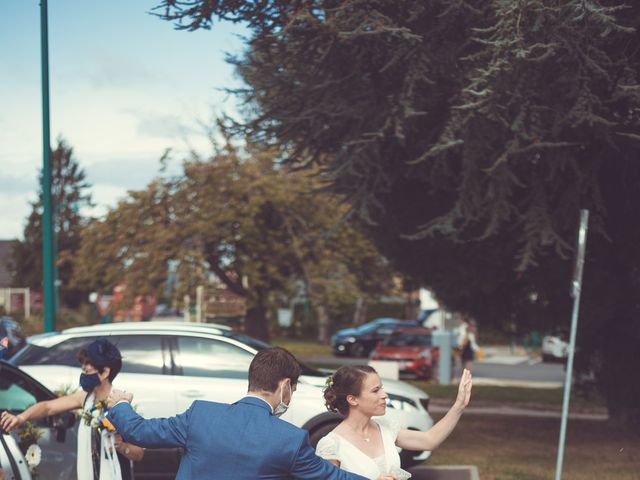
(33, 455)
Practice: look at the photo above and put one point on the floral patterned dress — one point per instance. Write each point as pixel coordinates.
(97, 457)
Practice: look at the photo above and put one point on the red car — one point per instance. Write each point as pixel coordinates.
(411, 347)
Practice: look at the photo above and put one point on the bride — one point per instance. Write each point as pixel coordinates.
(102, 455)
(367, 446)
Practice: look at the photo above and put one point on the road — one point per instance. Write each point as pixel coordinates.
(499, 367)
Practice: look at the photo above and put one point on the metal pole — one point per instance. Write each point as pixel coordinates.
(47, 218)
(575, 293)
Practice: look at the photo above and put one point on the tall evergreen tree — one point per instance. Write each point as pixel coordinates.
(69, 195)
(469, 133)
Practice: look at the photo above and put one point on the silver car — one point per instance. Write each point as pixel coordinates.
(198, 361)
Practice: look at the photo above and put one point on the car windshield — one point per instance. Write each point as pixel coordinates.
(260, 345)
(368, 327)
(409, 340)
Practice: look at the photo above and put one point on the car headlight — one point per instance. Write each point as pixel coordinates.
(401, 403)
(350, 339)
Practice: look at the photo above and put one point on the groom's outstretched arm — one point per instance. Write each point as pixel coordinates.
(152, 432)
(309, 466)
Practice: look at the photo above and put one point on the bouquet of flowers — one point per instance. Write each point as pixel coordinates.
(94, 417)
(28, 437)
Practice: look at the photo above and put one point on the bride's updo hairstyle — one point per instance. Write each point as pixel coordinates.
(346, 381)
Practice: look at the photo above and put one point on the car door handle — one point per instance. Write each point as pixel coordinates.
(192, 393)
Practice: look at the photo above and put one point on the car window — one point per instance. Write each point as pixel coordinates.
(140, 353)
(409, 340)
(205, 357)
(367, 327)
(16, 392)
(385, 329)
(64, 353)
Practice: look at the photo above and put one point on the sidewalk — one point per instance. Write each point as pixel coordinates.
(443, 407)
(503, 354)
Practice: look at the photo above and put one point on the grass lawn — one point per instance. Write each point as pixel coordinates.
(301, 347)
(524, 448)
(538, 398)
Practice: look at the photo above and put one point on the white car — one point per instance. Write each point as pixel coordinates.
(554, 349)
(168, 365)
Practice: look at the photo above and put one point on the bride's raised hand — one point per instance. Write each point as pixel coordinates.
(464, 389)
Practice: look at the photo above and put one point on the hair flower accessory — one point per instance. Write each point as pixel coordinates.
(329, 382)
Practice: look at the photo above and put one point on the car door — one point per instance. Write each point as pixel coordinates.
(18, 391)
(146, 372)
(146, 369)
(380, 333)
(209, 369)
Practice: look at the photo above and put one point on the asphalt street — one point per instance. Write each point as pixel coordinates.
(500, 366)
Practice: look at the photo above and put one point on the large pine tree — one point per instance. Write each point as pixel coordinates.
(469, 133)
(69, 196)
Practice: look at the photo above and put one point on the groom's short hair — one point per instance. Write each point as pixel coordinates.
(269, 367)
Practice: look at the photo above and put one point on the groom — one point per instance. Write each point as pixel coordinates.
(242, 441)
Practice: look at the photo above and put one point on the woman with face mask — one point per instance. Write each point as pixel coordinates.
(102, 454)
(367, 446)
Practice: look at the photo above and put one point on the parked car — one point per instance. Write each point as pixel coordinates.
(360, 341)
(554, 349)
(11, 337)
(58, 441)
(412, 348)
(198, 361)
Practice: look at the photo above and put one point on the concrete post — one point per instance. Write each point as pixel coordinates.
(443, 339)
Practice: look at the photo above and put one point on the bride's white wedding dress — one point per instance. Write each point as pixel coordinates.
(335, 447)
(97, 457)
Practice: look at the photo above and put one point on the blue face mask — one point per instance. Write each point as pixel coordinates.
(89, 381)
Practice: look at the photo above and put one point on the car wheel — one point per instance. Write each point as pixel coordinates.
(321, 431)
(357, 350)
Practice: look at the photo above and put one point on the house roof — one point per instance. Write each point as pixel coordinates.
(5, 255)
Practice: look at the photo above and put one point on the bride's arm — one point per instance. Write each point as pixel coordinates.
(432, 438)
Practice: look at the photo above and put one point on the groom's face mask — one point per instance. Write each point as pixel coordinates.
(282, 407)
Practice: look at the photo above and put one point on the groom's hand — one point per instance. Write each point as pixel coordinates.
(117, 396)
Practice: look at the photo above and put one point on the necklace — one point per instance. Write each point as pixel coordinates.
(366, 438)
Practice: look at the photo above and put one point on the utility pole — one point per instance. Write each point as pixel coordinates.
(576, 289)
(48, 260)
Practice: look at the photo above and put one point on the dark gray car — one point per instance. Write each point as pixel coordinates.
(18, 391)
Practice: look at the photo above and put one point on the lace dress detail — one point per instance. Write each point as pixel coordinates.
(352, 459)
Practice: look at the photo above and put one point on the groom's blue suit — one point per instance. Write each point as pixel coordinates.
(241, 441)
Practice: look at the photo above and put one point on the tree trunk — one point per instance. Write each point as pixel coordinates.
(323, 325)
(360, 315)
(256, 323)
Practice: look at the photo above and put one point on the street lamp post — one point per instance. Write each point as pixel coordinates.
(47, 217)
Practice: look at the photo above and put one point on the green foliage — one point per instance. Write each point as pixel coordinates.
(261, 229)
(468, 134)
(69, 196)
(29, 434)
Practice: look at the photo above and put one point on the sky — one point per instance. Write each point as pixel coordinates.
(124, 87)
